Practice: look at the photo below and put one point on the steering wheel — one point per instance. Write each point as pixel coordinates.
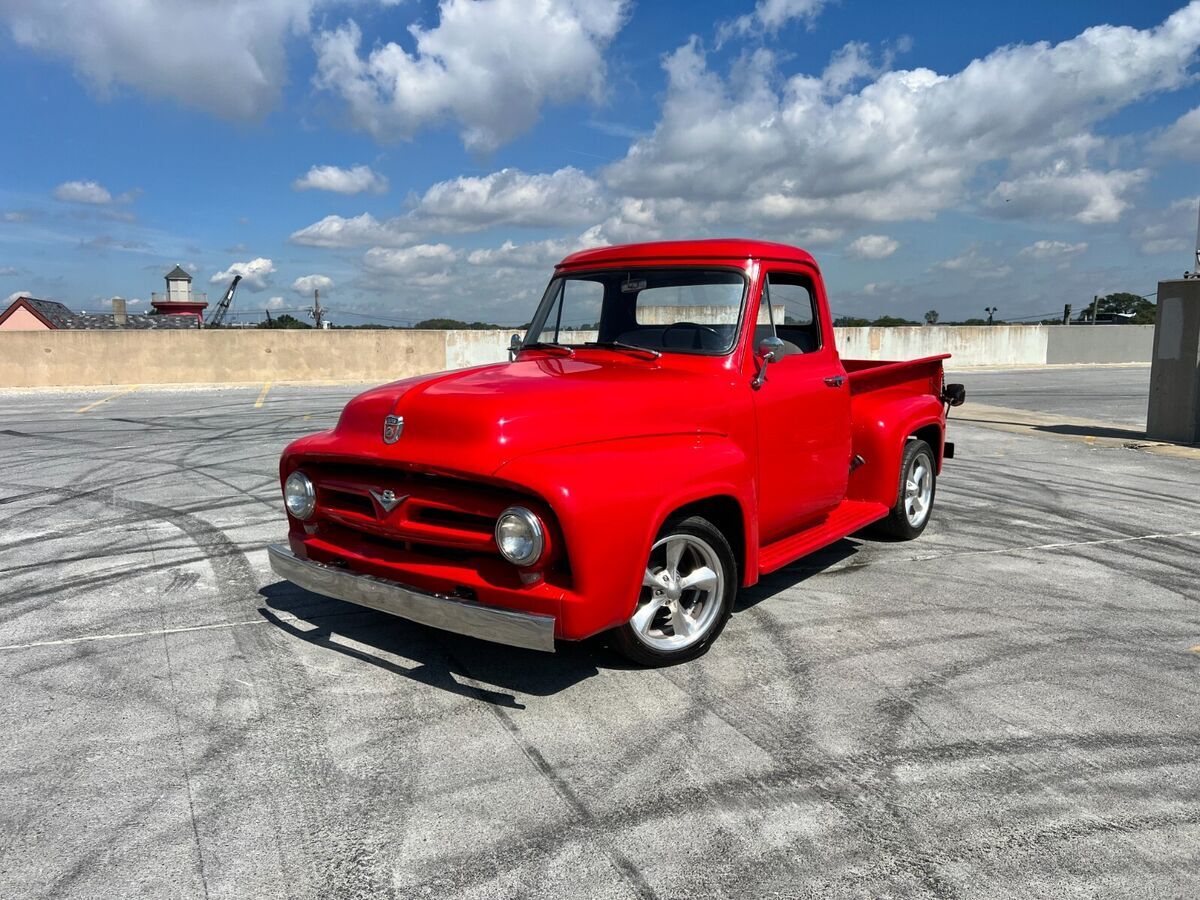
(698, 329)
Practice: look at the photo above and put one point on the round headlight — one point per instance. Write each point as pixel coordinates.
(299, 495)
(520, 536)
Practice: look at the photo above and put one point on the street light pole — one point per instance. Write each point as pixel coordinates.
(991, 311)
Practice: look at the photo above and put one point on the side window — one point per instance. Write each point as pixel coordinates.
(794, 312)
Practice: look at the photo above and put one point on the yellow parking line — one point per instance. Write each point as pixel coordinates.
(263, 396)
(128, 390)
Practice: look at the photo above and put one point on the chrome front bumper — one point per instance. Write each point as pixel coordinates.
(504, 626)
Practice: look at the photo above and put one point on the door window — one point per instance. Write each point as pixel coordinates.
(793, 312)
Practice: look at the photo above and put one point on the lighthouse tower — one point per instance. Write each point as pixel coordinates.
(178, 300)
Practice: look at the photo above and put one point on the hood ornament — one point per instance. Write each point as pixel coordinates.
(393, 427)
(387, 500)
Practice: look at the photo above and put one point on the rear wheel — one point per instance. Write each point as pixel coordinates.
(687, 594)
(914, 499)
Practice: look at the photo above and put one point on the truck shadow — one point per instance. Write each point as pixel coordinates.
(800, 571)
(472, 668)
(454, 663)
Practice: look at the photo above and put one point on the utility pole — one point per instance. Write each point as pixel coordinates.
(1195, 273)
(1095, 304)
(317, 312)
(991, 311)
(1067, 314)
(269, 319)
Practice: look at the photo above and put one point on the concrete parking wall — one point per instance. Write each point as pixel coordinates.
(58, 358)
(65, 358)
(1099, 344)
(1003, 345)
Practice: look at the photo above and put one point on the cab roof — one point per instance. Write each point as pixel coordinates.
(724, 249)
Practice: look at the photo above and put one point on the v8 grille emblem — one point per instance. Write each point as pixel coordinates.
(388, 500)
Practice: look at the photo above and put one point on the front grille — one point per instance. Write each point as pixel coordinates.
(431, 512)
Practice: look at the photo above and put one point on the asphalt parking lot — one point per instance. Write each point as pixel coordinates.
(1006, 707)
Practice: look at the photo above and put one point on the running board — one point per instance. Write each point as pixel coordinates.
(846, 519)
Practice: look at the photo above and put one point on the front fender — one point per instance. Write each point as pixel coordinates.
(612, 498)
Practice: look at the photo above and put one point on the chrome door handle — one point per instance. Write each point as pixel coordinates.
(835, 381)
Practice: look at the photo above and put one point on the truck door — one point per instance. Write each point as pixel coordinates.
(802, 409)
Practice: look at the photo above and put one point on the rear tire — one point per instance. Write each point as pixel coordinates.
(687, 594)
(914, 497)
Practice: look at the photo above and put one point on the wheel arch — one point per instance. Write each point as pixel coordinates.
(932, 435)
(727, 515)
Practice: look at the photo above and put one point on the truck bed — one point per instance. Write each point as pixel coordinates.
(875, 374)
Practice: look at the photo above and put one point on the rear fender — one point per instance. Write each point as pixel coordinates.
(881, 428)
(611, 500)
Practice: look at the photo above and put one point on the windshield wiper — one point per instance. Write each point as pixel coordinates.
(549, 345)
(621, 345)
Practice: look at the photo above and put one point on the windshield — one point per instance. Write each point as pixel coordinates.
(672, 310)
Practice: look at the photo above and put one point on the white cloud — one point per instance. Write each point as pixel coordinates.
(974, 263)
(512, 197)
(8, 271)
(355, 180)
(224, 57)
(909, 143)
(490, 66)
(873, 246)
(360, 231)
(472, 203)
(1170, 230)
(256, 274)
(421, 264)
(874, 288)
(1054, 250)
(276, 303)
(1182, 138)
(848, 65)
(306, 284)
(537, 254)
(771, 15)
(1061, 191)
(82, 192)
(817, 235)
(16, 295)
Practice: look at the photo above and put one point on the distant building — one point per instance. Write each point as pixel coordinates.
(30, 314)
(179, 300)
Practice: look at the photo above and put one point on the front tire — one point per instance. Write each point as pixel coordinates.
(914, 498)
(687, 595)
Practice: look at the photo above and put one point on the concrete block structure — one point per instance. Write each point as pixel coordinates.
(1174, 412)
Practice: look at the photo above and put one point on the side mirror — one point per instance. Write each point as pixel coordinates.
(514, 347)
(954, 394)
(770, 349)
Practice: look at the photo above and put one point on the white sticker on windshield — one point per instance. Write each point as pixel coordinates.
(633, 285)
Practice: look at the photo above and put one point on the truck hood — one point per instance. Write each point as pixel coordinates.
(476, 420)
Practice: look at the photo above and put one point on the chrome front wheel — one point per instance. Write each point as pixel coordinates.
(687, 591)
(681, 593)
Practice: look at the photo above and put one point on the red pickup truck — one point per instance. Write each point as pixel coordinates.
(675, 424)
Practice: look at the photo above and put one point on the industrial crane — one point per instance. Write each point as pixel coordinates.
(218, 315)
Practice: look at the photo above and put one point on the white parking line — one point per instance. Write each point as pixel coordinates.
(151, 633)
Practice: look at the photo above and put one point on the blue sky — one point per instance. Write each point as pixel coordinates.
(419, 159)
